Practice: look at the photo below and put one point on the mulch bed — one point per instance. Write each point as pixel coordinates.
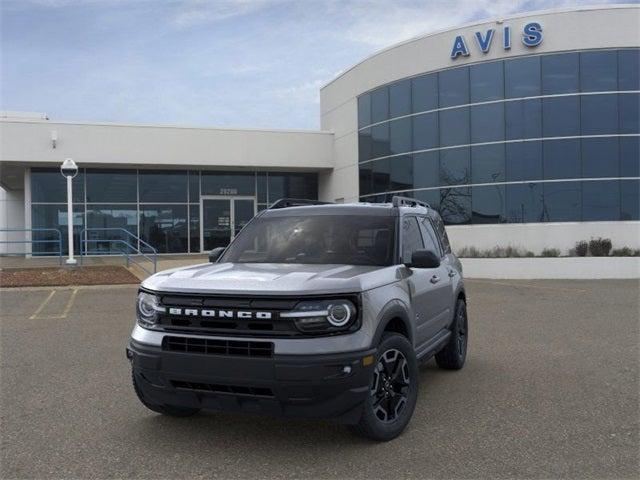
(55, 276)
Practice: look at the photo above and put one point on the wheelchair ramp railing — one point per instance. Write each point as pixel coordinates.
(43, 236)
(119, 241)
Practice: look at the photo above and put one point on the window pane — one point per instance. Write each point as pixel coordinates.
(163, 186)
(442, 233)
(194, 186)
(400, 135)
(599, 114)
(488, 204)
(629, 113)
(261, 186)
(523, 119)
(455, 205)
(401, 173)
(560, 73)
(223, 183)
(454, 166)
(194, 227)
(453, 87)
(365, 145)
(112, 186)
(487, 123)
(411, 238)
(454, 127)
(524, 203)
(524, 161)
(562, 202)
(293, 185)
(561, 159)
(425, 131)
(381, 174)
(431, 197)
(522, 77)
(426, 168)
(424, 92)
(115, 218)
(49, 186)
(561, 116)
(629, 69)
(630, 198)
(487, 164)
(600, 157)
(52, 216)
(600, 201)
(366, 178)
(380, 141)
(630, 156)
(364, 110)
(598, 71)
(165, 227)
(400, 98)
(487, 81)
(379, 105)
(429, 236)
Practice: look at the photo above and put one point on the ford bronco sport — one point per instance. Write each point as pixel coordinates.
(313, 310)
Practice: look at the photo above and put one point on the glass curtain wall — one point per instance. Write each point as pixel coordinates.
(545, 138)
(161, 207)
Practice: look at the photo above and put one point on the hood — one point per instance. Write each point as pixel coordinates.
(271, 278)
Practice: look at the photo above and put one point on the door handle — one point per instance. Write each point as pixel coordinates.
(434, 279)
(452, 273)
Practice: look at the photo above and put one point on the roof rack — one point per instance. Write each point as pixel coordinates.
(398, 201)
(295, 202)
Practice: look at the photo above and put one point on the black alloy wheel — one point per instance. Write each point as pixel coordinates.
(390, 388)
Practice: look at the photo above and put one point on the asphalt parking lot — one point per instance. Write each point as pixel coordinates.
(550, 390)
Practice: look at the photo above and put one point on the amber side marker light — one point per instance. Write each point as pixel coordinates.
(368, 360)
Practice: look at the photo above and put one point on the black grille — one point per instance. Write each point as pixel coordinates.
(232, 389)
(218, 347)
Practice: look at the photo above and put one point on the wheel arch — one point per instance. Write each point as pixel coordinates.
(394, 318)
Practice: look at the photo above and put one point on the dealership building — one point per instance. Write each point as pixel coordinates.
(520, 131)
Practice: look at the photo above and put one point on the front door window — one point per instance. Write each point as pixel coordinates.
(222, 218)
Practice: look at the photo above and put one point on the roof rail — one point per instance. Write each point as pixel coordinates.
(295, 202)
(398, 201)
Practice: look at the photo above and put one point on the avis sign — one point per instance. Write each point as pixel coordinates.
(531, 37)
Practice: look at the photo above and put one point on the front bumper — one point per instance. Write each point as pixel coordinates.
(311, 386)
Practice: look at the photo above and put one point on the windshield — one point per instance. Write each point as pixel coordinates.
(342, 239)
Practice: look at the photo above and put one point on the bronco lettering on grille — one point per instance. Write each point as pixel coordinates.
(212, 313)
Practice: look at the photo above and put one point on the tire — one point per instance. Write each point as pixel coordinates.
(393, 392)
(169, 410)
(454, 354)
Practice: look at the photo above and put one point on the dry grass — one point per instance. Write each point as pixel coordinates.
(57, 276)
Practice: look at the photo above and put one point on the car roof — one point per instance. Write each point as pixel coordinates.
(360, 209)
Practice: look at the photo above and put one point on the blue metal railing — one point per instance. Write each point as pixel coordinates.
(131, 243)
(31, 241)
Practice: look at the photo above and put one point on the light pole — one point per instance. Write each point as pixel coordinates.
(69, 169)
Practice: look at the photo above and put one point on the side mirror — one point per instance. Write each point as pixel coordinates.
(424, 259)
(215, 254)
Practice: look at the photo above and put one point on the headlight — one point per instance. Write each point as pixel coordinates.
(323, 316)
(147, 308)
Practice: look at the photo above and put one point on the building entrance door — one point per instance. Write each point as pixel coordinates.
(221, 218)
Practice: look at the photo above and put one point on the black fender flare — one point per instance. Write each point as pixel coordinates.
(393, 309)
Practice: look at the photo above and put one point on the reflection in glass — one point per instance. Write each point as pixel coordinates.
(598, 71)
(600, 157)
(453, 87)
(523, 161)
(194, 227)
(426, 169)
(49, 186)
(364, 110)
(364, 145)
(216, 223)
(630, 157)
(454, 166)
(600, 200)
(562, 202)
(379, 104)
(400, 135)
(487, 81)
(522, 77)
(261, 187)
(629, 113)
(194, 186)
(165, 227)
(115, 218)
(380, 141)
(560, 73)
(381, 175)
(523, 119)
(293, 185)
(431, 197)
(400, 99)
(561, 159)
(454, 127)
(561, 116)
(599, 114)
(366, 178)
(112, 186)
(488, 204)
(524, 203)
(163, 186)
(488, 164)
(424, 93)
(630, 200)
(401, 173)
(629, 69)
(53, 216)
(425, 131)
(487, 123)
(455, 205)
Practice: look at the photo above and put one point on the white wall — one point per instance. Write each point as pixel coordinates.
(538, 236)
(29, 141)
(11, 217)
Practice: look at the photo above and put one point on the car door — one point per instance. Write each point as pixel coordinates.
(422, 283)
(443, 285)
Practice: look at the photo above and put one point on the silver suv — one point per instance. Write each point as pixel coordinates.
(314, 310)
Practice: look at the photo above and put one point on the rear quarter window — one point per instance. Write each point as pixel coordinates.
(442, 233)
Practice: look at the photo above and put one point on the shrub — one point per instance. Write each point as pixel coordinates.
(550, 252)
(581, 248)
(600, 247)
(625, 252)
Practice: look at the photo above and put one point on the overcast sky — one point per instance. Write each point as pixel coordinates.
(244, 63)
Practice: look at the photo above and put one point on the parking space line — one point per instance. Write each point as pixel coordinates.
(42, 305)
